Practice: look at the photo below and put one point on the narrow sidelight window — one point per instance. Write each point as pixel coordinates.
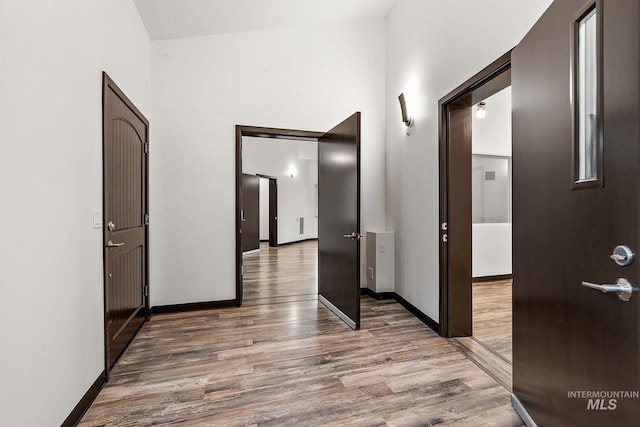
(586, 74)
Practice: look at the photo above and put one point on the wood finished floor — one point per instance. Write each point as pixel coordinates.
(283, 359)
(490, 346)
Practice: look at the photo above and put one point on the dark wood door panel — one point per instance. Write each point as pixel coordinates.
(125, 161)
(126, 167)
(126, 302)
(459, 226)
(273, 212)
(568, 338)
(250, 212)
(339, 215)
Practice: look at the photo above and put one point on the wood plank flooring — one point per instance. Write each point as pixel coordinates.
(285, 273)
(490, 346)
(283, 359)
(492, 316)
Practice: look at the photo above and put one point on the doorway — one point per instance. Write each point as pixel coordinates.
(475, 200)
(491, 247)
(264, 135)
(456, 195)
(338, 212)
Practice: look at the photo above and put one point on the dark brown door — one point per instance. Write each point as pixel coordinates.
(575, 349)
(250, 212)
(339, 220)
(125, 209)
(273, 212)
(458, 228)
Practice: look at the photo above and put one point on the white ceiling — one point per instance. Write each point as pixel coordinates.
(169, 19)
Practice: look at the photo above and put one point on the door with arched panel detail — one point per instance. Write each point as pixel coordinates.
(125, 161)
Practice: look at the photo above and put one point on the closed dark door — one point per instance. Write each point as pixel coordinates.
(250, 213)
(576, 142)
(339, 220)
(125, 209)
(273, 212)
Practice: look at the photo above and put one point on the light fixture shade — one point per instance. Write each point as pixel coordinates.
(481, 112)
(408, 120)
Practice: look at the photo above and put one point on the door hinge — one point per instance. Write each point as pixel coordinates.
(146, 290)
(146, 148)
(146, 219)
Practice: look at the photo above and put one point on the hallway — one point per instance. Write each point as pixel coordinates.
(284, 359)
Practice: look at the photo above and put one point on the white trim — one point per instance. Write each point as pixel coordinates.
(337, 311)
(255, 251)
(524, 415)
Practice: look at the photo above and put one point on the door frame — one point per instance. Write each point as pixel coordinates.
(107, 85)
(259, 132)
(455, 302)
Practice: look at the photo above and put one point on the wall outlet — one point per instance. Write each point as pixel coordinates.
(370, 273)
(381, 247)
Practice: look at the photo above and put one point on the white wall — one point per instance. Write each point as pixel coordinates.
(491, 195)
(296, 196)
(492, 135)
(51, 281)
(491, 243)
(491, 249)
(300, 78)
(433, 47)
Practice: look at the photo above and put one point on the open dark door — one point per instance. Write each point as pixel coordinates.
(576, 194)
(125, 160)
(339, 220)
(273, 212)
(250, 213)
(460, 310)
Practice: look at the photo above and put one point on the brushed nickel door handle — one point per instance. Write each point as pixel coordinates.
(622, 288)
(110, 244)
(352, 236)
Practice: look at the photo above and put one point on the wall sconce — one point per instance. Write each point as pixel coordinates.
(292, 172)
(481, 113)
(408, 120)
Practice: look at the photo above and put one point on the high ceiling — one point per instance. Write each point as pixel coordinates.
(168, 19)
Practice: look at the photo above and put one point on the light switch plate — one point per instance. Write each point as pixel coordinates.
(97, 218)
(381, 245)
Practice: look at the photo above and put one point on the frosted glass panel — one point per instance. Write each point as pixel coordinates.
(491, 189)
(587, 134)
